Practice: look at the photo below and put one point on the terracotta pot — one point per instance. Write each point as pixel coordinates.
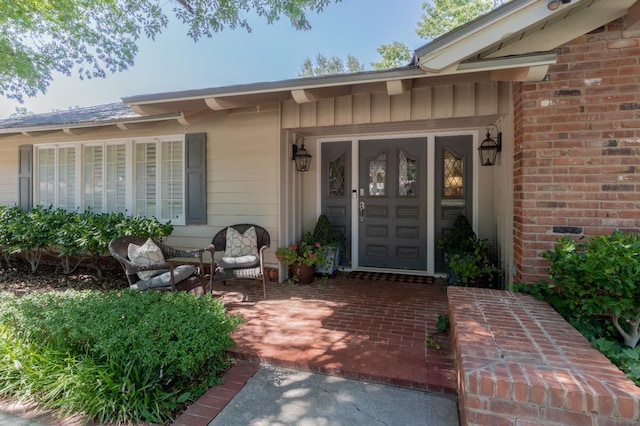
(302, 273)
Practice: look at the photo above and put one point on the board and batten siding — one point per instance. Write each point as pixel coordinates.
(420, 103)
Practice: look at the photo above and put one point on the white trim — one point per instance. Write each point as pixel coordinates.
(130, 184)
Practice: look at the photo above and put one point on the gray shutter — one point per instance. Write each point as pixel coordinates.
(25, 177)
(196, 178)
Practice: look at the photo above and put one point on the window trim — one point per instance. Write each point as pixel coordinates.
(130, 186)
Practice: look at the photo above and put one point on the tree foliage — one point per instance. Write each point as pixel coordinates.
(329, 65)
(90, 38)
(393, 55)
(441, 16)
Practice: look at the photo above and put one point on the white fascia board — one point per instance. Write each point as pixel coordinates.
(476, 36)
(505, 62)
(581, 21)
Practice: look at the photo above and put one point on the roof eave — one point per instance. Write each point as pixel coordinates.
(70, 128)
(289, 85)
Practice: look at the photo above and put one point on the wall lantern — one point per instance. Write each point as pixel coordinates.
(301, 156)
(490, 148)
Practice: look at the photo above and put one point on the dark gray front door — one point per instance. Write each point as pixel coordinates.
(453, 188)
(392, 203)
(336, 190)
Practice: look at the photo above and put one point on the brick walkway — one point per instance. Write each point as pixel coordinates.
(368, 330)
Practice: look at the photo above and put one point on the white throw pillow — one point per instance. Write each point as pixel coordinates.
(241, 244)
(147, 254)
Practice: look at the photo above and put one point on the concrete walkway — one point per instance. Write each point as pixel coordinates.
(280, 396)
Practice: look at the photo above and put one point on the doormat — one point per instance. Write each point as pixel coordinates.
(381, 276)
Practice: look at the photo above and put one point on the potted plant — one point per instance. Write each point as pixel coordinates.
(302, 259)
(332, 241)
(468, 257)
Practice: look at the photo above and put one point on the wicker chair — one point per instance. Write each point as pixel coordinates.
(254, 272)
(171, 278)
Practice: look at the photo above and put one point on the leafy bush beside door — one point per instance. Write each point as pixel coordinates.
(468, 257)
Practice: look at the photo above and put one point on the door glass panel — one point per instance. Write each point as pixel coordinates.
(453, 175)
(407, 175)
(377, 175)
(336, 177)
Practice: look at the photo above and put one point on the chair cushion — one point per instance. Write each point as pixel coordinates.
(147, 254)
(238, 244)
(248, 261)
(180, 273)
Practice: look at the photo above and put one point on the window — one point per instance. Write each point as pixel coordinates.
(142, 176)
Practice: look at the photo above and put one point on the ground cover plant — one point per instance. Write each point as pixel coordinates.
(114, 356)
(595, 285)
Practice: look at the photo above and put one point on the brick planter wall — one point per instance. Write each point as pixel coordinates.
(520, 363)
(577, 146)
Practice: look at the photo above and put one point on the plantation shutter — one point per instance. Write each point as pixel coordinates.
(196, 178)
(25, 177)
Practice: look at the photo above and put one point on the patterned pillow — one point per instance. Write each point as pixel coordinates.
(147, 254)
(241, 244)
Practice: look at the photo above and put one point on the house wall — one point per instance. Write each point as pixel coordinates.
(243, 157)
(577, 147)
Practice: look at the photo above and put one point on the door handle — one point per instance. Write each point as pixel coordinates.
(361, 211)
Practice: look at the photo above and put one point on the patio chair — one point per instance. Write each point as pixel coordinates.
(150, 268)
(243, 246)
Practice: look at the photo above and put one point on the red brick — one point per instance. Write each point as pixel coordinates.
(565, 417)
(485, 418)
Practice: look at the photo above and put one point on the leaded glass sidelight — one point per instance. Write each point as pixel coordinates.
(407, 175)
(453, 175)
(336, 176)
(377, 175)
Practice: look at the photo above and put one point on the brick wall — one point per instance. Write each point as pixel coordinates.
(520, 363)
(577, 146)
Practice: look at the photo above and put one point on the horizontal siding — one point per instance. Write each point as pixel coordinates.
(243, 151)
(9, 169)
(463, 99)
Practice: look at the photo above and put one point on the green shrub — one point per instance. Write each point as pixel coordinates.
(119, 356)
(82, 236)
(595, 286)
(601, 277)
(625, 358)
(8, 217)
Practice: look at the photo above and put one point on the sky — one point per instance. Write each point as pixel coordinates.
(174, 62)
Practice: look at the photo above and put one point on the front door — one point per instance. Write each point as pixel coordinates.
(392, 204)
